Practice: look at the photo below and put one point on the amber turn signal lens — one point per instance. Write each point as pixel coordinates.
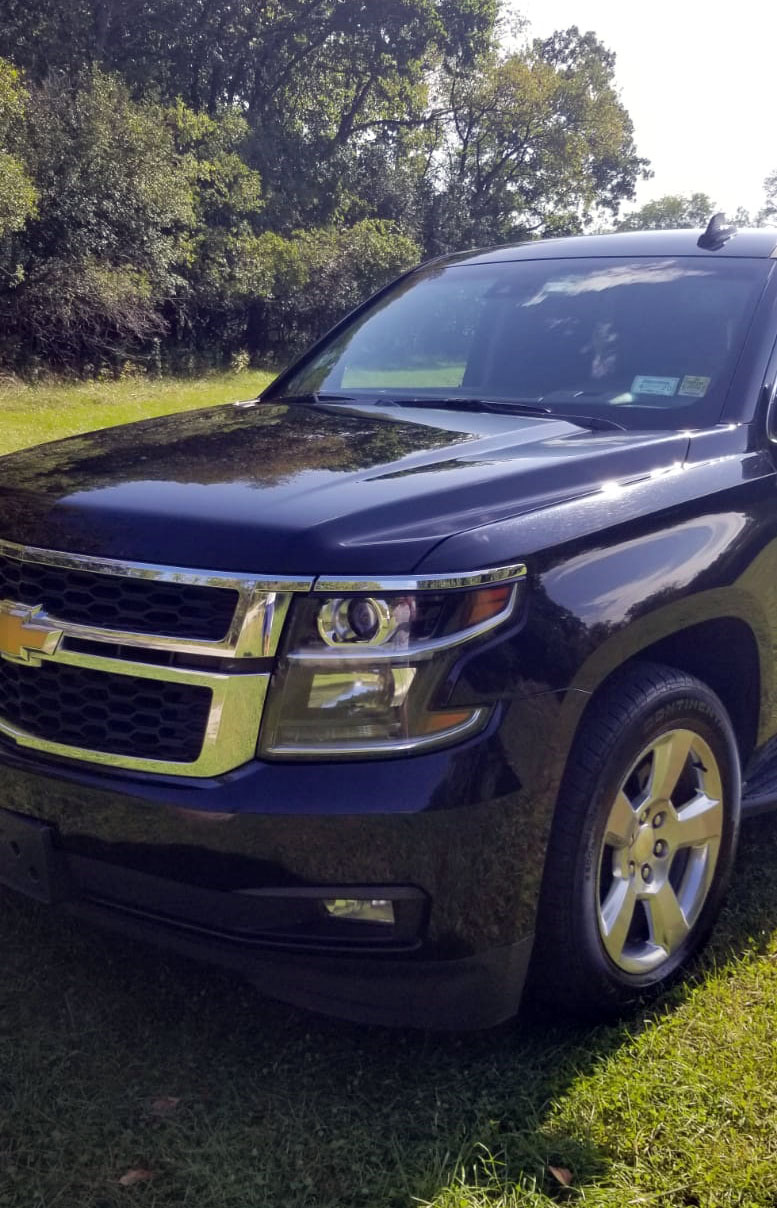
(487, 603)
(436, 723)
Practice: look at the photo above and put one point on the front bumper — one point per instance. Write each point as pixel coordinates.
(234, 870)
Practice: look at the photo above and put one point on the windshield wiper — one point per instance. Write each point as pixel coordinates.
(456, 402)
(507, 407)
(596, 423)
(313, 397)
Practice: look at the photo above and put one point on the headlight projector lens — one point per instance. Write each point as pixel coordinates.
(364, 619)
(356, 621)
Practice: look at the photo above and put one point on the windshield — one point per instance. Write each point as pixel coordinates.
(649, 342)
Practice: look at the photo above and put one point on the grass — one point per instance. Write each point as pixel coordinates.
(116, 1058)
(32, 414)
(399, 379)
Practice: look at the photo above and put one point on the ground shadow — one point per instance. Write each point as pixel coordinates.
(275, 1106)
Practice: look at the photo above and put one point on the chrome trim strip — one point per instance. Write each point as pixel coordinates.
(234, 580)
(230, 735)
(450, 582)
(473, 725)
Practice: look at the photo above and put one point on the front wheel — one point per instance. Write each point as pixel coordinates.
(643, 841)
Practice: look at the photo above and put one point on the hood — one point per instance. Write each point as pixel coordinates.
(306, 489)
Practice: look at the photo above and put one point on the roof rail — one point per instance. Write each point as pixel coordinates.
(719, 231)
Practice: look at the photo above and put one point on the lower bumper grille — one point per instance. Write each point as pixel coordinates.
(116, 714)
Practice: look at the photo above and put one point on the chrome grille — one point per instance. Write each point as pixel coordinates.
(97, 711)
(116, 602)
(134, 676)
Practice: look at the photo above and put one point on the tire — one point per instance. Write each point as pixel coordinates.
(642, 845)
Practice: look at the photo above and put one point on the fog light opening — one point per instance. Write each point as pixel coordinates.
(361, 910)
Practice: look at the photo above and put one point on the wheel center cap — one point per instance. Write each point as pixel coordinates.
(641, 847)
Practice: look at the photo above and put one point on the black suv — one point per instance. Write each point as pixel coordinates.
(449, 653)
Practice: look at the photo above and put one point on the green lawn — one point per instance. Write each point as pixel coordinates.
(403, 379)
(32, 414)
(114, 1058)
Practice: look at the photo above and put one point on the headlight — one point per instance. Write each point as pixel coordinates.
(362, 664)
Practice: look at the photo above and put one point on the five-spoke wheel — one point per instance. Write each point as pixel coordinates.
(660, 850)
(643, 840)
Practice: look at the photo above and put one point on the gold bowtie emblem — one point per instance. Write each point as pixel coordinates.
(26, 633)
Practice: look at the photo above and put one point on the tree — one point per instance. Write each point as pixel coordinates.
(316, 79)
(183, 180)
(768, 215)
(212, 52)
(221, 266)
(146, 240)
(17, 192)
(319, 275)
(675, 211)
(114, 203)
(534, 142)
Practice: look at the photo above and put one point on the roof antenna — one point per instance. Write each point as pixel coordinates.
(719, 231)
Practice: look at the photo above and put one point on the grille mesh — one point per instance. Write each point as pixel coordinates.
(97, 711)
(114, 602)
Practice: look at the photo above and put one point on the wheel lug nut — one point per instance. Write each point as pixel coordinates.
(661, 848)
(632, 868)
(645, 817)
(658, 820)
(647, 873)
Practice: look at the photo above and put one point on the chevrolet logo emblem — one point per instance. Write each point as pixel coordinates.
(26, 633)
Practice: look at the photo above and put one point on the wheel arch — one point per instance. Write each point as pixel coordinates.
(723, 653)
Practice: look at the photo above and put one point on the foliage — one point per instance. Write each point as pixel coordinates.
(768, 215)
(319, 275)
(103, 250)
(315, 77)
(187, 181)
(533, 143)
(670, 213)
(221, 264)
(17, 195)
(17, 192)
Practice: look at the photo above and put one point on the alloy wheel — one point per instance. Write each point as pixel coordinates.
(659, 851)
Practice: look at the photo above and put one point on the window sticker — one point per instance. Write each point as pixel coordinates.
(654, 385)
(694, 387)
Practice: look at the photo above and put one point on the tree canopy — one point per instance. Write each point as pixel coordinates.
(769, 212)
(675, 211)
(532, 142)
(186, 181)
(18, 196)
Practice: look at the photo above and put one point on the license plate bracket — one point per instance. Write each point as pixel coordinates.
(29, 861)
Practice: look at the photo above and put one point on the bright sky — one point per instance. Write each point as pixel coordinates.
(699, 80)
